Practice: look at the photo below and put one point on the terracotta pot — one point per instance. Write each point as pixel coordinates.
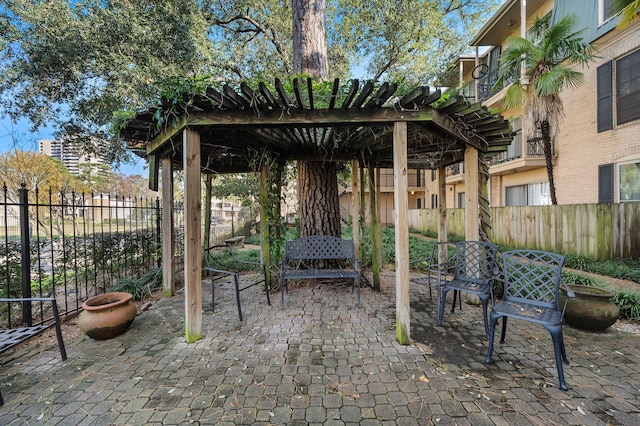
(107, 315)
(592, 309)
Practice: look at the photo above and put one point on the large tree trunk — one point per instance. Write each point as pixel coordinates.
(309, 38)
(548, 156)
(319, 206)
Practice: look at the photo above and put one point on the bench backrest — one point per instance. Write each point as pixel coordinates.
(318, 247)
(533, 277)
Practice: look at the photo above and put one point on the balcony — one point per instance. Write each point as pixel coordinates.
(512, 160)
(455, 173)
(487, 82)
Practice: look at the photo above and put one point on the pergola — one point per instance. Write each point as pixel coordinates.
(216, 132)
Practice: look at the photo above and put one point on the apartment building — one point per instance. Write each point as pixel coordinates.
(597, 151)
(69, 155)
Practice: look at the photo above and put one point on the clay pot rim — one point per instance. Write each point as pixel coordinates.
(106, 301)
(589, 290)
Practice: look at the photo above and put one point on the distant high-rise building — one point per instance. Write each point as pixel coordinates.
(69, 155)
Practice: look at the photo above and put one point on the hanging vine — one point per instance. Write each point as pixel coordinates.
(273, 178)
(485, 215)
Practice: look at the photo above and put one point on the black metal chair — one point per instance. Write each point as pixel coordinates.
(431, 271)
(232, 279)
(473, 272)
(531, 283)
(11, 337)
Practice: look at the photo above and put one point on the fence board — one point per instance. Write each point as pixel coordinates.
(599, 231)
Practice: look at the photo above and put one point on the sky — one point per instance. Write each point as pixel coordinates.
(19, 135)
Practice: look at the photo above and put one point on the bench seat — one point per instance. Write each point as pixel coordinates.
(302, 257)
(321, 273)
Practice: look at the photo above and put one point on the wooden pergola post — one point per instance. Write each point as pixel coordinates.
(192, 236)
(168, 238)
(355, 205)
(472, 195)
(265, 206)
(363, 213)
(376, 244)
(442, 212)
(401, 201)
(378, 185)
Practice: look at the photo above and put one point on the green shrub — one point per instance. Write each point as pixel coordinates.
(629, 304)
(627, 269)
(570, 277)
(141, 287)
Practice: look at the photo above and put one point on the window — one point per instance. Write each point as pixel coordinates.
(605, 11)
(534, 194)
(627, 91)
(461, 200)
(628, 88)
(434, 201)
(629, 181)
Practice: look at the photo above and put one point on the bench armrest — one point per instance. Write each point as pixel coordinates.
(27, 299)
(219, 271)
(570, 293)
(443, 266)
(250, 262)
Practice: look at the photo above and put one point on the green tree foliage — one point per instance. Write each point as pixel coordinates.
(76, 64)
(549, 56)
(35, 171)
(244, 187)
(411, 41)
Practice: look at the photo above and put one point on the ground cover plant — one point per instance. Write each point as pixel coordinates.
(420, 246)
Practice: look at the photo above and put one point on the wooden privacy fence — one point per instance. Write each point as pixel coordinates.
(598, 231)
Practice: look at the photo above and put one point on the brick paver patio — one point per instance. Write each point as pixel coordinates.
(323, 361)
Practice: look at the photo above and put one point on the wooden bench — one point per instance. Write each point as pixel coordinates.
(302, 257)
(235, 241)
(12, 337)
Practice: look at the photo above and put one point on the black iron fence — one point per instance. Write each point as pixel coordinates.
(72, 246)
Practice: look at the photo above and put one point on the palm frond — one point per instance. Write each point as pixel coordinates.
(514, 96)
(628, 10)
(551, 82)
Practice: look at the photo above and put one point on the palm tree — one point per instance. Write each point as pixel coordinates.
(547, 58)
(628, 10)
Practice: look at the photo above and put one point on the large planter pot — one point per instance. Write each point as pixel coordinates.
(107, 315)
(592, 309)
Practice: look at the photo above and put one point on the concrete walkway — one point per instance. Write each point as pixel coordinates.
(322, 361)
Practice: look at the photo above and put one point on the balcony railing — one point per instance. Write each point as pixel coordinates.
(535, 148)
(487, 82)
(455, 169)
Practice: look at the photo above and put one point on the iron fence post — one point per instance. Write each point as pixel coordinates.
(158, 223)
(26, 256)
